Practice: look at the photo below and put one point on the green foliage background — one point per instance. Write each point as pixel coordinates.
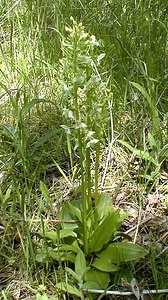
(34, 144)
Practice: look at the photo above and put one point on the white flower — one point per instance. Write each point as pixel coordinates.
(1, 177)
(93, 39)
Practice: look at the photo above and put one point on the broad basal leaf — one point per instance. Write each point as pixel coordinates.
(73, 274)
(80, 263)
(104, 231)
(55, 236)
(104, 205)
(121, 252)
(51, 235)
(71, 212)
(43, 255)
(105, 265)
(100, 279)
(90, 285)
(63, 233)
(72, 247)
(76, 211)
(62, 256)
(66, 287)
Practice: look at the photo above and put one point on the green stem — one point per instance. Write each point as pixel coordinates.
(88, 160)
(81, 155)
(84, 195)
(96, 193)
(88, 178)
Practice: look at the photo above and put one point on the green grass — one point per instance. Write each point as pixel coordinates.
(41, 163)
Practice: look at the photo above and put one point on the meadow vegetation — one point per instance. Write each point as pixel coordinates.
(83, 148)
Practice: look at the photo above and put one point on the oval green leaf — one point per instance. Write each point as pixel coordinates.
(100, 279)
(104, 231)
(121, 252)
(105, 265)
(67, 288)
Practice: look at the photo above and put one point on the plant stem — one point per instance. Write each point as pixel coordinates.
(88, 178)
(80, 143)
(96, 175)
